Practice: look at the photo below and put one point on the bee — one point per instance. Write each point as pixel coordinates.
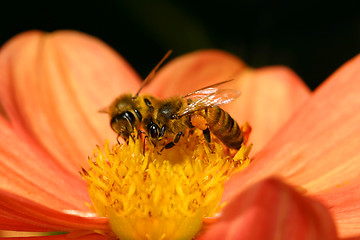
(128, 111)
(164, 121)
(199, 109)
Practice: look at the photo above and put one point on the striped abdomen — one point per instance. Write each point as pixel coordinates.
(223, 126)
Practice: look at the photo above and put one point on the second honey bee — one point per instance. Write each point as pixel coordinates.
(128, 111)
(164, 122)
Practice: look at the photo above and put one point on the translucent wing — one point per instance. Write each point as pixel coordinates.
(216, 97)
(203, 92)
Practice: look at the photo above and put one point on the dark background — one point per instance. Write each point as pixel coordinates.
(313, 38)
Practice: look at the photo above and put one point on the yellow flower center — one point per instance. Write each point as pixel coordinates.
(147, 195)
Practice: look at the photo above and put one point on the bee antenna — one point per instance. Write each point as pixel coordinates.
(152, 73)
(103, 110)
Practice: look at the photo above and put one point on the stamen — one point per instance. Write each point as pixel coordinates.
(153, 196)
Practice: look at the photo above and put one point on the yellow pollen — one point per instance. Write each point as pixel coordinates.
(147, 195)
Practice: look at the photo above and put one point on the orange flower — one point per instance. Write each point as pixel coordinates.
(52, 86)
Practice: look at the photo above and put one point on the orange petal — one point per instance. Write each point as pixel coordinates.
(34, 214)
(194, 71)
(344, 204)
(92, 236)
(27, 171)
(53, 86)
(272, 210)
(9, 224)
(269, 96)
(319, 147)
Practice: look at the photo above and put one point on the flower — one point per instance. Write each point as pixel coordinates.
(54, 84)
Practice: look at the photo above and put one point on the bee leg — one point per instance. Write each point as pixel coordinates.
(144, 145)
(172, 144)
(139, 133)
(117, 139)
(145, 136)
(177, 137)
(167, 146)
(207, 137)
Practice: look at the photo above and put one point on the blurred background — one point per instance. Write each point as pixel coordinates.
(313, 38)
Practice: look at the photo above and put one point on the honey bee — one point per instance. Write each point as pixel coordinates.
(128, 111)
(164, 121)
(199, 109)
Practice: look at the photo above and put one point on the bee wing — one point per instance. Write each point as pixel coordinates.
(202, 92)
(216, 97)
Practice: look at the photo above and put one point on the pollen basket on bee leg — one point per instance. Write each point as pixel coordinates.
(199, 121)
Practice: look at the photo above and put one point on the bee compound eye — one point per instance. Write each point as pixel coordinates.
(129, 116)
(118, 119)
(115, 119)
(162, 131)
(173, 116)
(154, 130)
(138, 114)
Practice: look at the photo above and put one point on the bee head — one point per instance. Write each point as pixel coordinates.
(123, 123)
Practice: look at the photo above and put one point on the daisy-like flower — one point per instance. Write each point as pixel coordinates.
(301, 183)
